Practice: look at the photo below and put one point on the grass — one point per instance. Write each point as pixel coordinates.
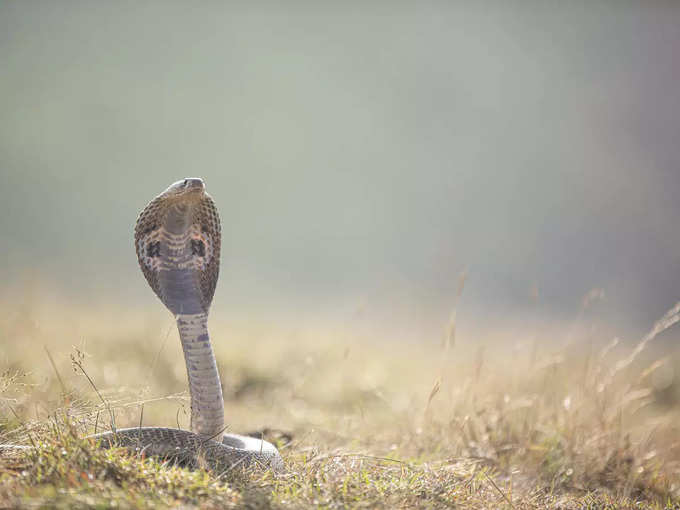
(360, 422)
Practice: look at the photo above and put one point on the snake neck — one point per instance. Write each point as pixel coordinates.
(207, 404)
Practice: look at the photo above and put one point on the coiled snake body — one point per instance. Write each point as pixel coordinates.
(177, 239)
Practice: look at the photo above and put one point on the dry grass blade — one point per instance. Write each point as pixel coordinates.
(433, 393)
(78, 363)
(498, 489)
(450, 339)
(670, 318)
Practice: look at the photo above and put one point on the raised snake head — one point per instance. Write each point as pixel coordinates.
(189, 188)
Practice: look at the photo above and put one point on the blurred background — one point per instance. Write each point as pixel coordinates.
(362, 155)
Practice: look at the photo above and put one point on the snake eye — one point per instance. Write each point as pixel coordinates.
(186, 181)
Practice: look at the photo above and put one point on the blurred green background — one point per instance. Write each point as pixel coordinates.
(362, 154)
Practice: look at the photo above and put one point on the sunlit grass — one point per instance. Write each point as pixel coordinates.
(360, 421)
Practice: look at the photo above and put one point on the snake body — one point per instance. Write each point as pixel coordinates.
(177, 240)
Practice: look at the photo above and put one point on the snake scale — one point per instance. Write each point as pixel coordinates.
(177, 240)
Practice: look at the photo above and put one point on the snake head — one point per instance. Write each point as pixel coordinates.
(186, 188)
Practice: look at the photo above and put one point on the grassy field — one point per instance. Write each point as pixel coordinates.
(361, 422)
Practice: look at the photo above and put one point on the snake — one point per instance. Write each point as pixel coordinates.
(177, 239)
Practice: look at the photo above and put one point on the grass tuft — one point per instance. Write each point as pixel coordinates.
(359, 423)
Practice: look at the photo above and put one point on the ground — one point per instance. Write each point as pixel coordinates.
(360, 422)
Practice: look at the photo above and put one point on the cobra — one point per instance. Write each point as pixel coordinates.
(177, 240)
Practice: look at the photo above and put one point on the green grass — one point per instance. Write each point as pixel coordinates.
(360, 422)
